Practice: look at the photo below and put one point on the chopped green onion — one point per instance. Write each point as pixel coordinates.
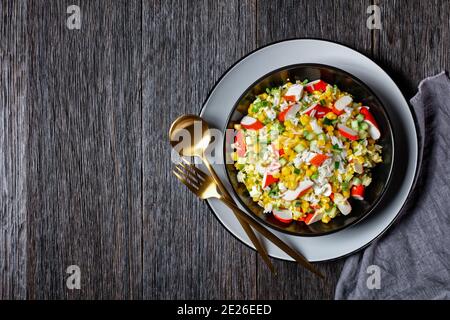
(298, 203)
(345, 186)
(363, 134)
(305, 81)
(280, 127)
(336, 147)
(336, 165)
(315, 175)
(297, 171)
(323, 102)
(327, 121)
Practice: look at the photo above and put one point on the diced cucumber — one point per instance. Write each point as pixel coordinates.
(283, 161)
(310, 136)
(299, 148)
(355, 125)
(364, 126)
(356, 181)
(315, 175)
(360, 117)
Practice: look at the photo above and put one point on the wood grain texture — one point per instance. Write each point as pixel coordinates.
(186, 48)
(414, 42)
(333, 20)
(84, 157)
(13, 140)
(84, 171)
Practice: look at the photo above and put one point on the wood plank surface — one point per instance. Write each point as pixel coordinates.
(331, 20)
(84, 155)
(186, 48)
(414, 42)
(13, 140)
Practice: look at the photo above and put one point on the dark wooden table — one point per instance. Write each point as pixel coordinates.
(84, 157)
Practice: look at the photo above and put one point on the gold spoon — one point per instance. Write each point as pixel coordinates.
(198, 131)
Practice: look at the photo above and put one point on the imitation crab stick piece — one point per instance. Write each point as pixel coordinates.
(341, 103)
(314, 217)
(282, 215)
(318, 85)
(279, 152)
(318, 159)
(289, 112)
(319, 111)
(294, 93)
(302, 189)
(268, 180)
(342, 204)
(374, 131)
(357, 192)
(239, 140)
(251, 123)
(347, 132)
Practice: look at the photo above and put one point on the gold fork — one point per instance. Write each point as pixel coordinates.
(205, 187)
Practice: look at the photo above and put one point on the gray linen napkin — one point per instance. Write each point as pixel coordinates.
(414, 257)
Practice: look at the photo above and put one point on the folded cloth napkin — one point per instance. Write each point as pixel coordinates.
(413, 259)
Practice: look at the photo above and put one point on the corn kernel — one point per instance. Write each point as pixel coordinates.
(285, 171)
(309, 172)
(313, 168)
(261, 117)
(263, 96)
(305, 205)
(321, 142)
(346, 194)
(304, 119)
(326, 219)
(331, 116)
(276, 175)
(292, 185)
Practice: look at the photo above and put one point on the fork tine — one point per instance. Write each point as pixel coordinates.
(188, 177)
(189, 174)
(187, 168)
(185, 182)
(195, 169)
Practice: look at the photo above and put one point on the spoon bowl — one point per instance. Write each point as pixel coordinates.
(189, 136)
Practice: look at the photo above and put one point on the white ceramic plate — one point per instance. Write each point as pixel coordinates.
(252, 67)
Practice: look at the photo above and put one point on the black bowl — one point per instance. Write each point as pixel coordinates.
(380, 174)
